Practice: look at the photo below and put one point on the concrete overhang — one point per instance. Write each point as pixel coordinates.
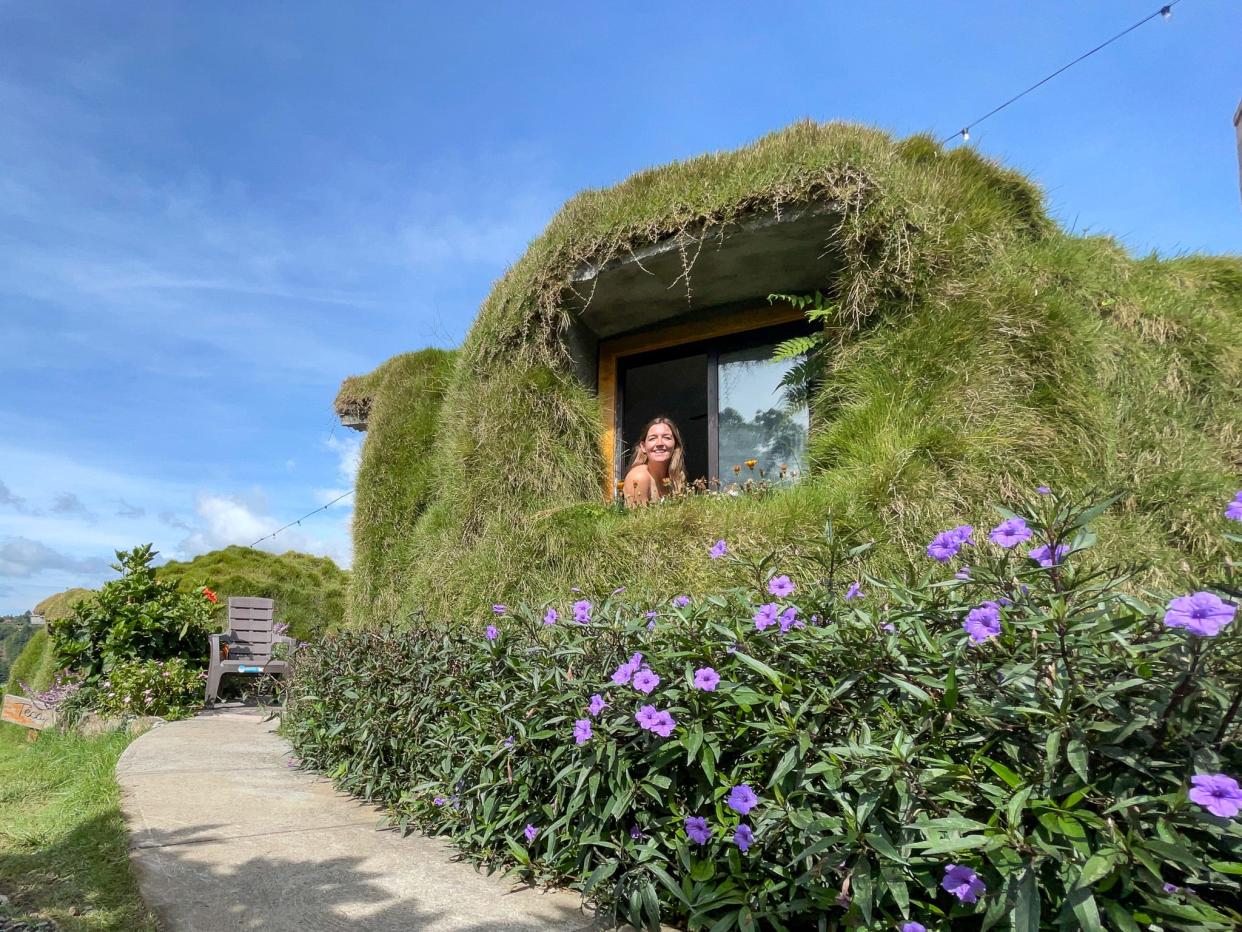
(790, 251)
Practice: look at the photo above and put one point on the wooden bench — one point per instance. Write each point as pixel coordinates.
(246, 647)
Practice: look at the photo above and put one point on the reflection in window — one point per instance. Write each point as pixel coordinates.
(755, 423)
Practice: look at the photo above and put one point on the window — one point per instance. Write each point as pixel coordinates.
(718, 383)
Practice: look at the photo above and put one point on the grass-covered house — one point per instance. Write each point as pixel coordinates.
(975, 348)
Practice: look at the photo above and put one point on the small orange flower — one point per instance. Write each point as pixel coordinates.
(210, 596)
(736, 469)
(750, 464)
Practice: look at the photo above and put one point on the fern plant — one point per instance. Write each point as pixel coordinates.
(808, 354)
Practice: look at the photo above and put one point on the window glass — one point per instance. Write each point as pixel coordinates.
(673, 388)
(755, 423)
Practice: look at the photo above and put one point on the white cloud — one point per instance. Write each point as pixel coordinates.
(225, 520)
(21, 557)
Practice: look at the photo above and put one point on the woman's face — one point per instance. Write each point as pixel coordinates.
(659, 443)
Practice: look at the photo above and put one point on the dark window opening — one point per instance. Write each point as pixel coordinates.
(725, 397)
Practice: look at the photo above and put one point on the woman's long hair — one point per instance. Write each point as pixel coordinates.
(676, 463)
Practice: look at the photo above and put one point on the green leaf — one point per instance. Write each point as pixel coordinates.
(760, 667)
(603, 872)
(1082, 904)
(1076, 754)
(862, 885)
(787, 762)
(1025, 914)
(1098, 866)
(703, 870)
(1004, 772)
(915, 691)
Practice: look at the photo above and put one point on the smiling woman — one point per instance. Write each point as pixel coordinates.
(659, 465)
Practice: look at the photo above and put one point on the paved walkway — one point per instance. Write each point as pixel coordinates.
(225, 835)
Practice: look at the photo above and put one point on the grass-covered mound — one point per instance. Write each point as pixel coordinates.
(35, 666)
(60, 606)
(979, 349)
(797, 752)
(309, 590)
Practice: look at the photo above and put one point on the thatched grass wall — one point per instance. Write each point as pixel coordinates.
(981, 350)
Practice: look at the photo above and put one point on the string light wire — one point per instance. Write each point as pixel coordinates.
(964, 133)
(303, 518)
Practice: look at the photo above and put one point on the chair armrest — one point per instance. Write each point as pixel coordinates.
(285, 639)
(216, 639)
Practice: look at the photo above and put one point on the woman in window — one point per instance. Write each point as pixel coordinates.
(659, 464)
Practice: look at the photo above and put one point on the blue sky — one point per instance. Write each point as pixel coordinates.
(210, 214)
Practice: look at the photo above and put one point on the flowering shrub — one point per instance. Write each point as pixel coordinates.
(1009, 735)
(171, 689)
(134, 617)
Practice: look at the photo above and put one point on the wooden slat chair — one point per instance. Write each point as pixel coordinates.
(250, 640)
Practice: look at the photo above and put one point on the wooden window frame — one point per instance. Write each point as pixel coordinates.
(613, 351)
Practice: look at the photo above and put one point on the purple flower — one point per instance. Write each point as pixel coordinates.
(500, 609)
(508, 742)
(582, 731)
(781, 586)
(1217, 793)
(699, 831)
(651, 626)
(963, 573)
(963, 883)
(983, 623)
(682, 601)
(742, 798)
(1202, 614)
(623, 673)
(962, 533)
(1010, 533)
(705, 678)
(853, 592)
(1045, 557)
(582, 611)
(646, 715)
(889, 627)
(651, 613)
(597, 705)
(766, 616)
(913, 927)
(719, 549)
(789, 619)
(618, 590)
(492, 632)
(645, 681)
(550, 617)
(944, 547)
(663, 723)
(743, 837)
(530, 832)
(1233, 510)
(636, 833)
(1043, 490)
(439, 801)
(1171, 888)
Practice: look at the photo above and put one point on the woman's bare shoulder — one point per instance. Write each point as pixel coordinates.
(638, 483)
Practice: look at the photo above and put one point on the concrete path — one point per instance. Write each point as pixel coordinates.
(225, 835)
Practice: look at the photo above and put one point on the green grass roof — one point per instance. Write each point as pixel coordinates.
(982, 350)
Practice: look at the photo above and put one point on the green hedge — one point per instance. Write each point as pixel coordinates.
(891, 740)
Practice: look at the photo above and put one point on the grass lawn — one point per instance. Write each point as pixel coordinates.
(62, 839)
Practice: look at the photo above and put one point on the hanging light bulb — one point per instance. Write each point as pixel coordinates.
(965, 135)
(1166, 12)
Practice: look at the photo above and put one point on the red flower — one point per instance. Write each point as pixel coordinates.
(209, 595)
